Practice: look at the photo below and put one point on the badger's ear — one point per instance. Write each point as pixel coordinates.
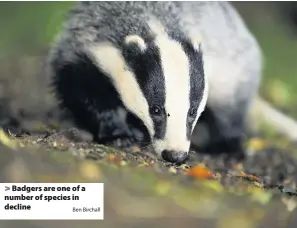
(135, 44)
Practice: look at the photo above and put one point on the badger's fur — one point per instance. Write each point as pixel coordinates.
(145, 71)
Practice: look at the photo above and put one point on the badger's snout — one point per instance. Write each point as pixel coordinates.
(174, 156)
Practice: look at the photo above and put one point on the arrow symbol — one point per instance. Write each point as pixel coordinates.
(7, 188)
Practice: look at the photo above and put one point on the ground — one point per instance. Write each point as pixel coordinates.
(141, 190)
(35, 145)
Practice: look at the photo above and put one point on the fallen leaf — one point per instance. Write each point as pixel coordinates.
(200, 171)
(257, 144)
(258, 184)
(123, 163)
(172, 170)
(5, 140)
(118, 160)
(184, 167)
(249, 177)
(111, 157)
(90, 171)
(123, 154)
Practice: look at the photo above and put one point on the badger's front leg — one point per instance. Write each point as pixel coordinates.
(233, 84)
(225, 128)
(224, 118)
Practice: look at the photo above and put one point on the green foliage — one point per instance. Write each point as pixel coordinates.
(280, 53)
(29, 25)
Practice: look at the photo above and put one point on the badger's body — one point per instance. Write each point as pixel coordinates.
(143, 72)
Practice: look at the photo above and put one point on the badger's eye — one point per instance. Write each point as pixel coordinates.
(192, 112)
(155, 110)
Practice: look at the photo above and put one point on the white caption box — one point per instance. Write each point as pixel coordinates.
(51, 201)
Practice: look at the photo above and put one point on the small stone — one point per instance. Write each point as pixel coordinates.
(172, 170)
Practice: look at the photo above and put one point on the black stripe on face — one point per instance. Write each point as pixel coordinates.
(196, 82)
(148, 71)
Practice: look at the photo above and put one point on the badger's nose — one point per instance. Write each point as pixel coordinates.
(173, 156)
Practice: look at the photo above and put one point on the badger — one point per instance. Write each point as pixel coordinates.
(146, 72)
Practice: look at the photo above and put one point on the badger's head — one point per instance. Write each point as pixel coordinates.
(162, 82)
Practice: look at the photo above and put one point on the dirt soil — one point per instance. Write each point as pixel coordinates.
(37, 144)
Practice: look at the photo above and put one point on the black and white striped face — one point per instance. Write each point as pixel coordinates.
(161, 82)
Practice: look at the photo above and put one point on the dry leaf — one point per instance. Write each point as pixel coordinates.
(111, 157)
(172, 170)
(249, 177)
(200, 171)
(90, 171)
(257, 144)
(5, 140)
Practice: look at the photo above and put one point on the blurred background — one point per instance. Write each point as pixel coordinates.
(28, 28)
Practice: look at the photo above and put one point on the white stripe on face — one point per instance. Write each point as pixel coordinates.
(111, 61)
(203, 101)
(176, 70)
(196, 42)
